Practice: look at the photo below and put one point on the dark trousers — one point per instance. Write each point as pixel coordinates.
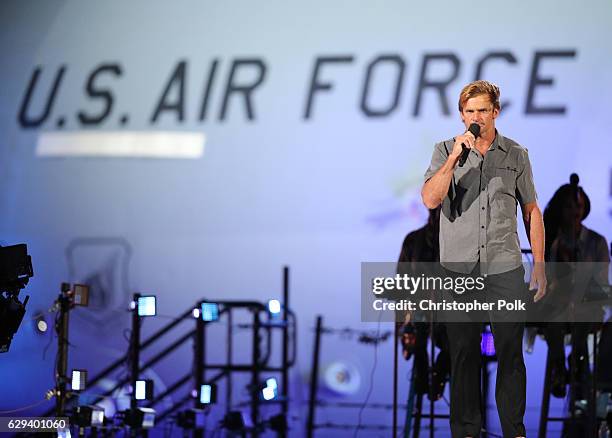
(465, 351)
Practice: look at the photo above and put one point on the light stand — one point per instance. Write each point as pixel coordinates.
(63, 301)
(139, 419)
(66, 299)
(134, 352)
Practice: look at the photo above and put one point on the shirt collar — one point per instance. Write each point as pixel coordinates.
(498, 142)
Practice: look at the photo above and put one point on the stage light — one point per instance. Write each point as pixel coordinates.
(88, 416)
(208, 393)
(270, 389)
(147, 305)
(15, 272)
(79, 380)
(274, 307)
(140, 418)
(487, 344)
(196, 313)
(268, 393)
(271, 383)
(40, 323)
(342, 378)
(148, 417)
(191, 419)
(15, 268)
(210, 311)
(80, 295)
(144, 389)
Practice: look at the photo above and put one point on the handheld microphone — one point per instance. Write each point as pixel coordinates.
(474, 129)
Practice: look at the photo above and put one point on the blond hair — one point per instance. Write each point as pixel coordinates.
(478, 88)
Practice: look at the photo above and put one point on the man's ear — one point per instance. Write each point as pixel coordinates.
(495, 112)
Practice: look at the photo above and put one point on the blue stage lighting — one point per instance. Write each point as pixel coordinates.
(208, 394)
(270, 389)
(210, 311)
(144, 389)
(79, 380)
(487, 345)
(147, 305)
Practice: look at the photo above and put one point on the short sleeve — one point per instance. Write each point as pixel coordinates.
(438, 159)
(525, 189)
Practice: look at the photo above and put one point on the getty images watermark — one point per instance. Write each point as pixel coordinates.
(576, 292)
(404, 283)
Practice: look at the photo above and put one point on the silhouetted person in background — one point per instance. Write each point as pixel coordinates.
(568, 240)
(420, 250)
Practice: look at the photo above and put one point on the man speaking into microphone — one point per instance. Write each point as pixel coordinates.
(479, 177)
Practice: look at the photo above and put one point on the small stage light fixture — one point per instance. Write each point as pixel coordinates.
(191, 419)
(274, 307)
(147, 305)
(79, 380)
(40, 323)
(88, 416)
(269, 390)
(144, 389)
(208, 394)
(140, 418)
(210, 311)
(80, 295)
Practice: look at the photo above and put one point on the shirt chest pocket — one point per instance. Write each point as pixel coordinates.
(502, 181)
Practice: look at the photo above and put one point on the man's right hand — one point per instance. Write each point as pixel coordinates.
(468, 139)
(435, 188)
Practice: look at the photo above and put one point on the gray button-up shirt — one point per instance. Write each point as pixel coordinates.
(478, 219)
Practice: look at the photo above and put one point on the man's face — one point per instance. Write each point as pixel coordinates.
(480, 110)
